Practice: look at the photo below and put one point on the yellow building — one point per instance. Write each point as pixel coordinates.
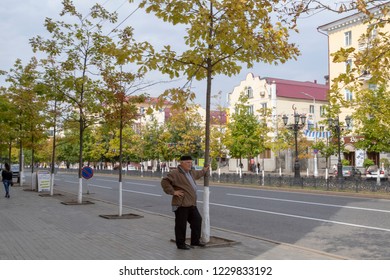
(345, 33)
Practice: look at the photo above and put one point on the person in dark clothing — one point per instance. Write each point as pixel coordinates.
(6, 174)
(180, 183)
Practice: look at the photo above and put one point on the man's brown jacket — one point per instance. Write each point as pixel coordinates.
(176, 180)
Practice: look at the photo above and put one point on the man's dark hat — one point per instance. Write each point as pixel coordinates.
(185, 158)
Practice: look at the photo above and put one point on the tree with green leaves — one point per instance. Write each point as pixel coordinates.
(154, 144)
(218, 136)
(185, 132)
(246, 134)
(52, 88)
(29, 107)
(221, 36)
(7, 126)
(83, 50)
(218, 131)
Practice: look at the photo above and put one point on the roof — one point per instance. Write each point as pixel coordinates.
(299, 90)
(218, 117)
(351, 18)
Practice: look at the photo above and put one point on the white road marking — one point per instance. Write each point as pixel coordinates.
(131, 183)
(102, 187)
(311, 203)
(140, 184)
(152, 194)
(301, 217)
(105, 180)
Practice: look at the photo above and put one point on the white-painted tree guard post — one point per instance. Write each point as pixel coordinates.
(80, 193)
(315, 165)
(21, 178)
(378, 177)
(120, 200)
(34, 180)
(51, 184)
(206, 215)
(263, 177)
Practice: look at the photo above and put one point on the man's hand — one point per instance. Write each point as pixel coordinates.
(206, 168)
(179, 193)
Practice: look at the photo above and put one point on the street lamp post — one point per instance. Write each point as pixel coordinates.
(296, 126)
(336, 124)
(315, 172)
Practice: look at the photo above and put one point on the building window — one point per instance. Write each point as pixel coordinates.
(142, 110)
(348, 95)
(372, 87)
(250, 109)
(249, 92)
(311, 109)
(263, 109)
(366, 41)
(266, 154)
(322, 111)
(348, 38)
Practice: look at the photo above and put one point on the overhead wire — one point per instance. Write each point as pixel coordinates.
(103, 20)
(123, 21)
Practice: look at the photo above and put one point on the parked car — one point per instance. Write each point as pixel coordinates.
(372, 173)
(15, 170)
(129, 167)
(349, 171)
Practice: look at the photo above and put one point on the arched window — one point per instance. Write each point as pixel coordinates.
(249, 92)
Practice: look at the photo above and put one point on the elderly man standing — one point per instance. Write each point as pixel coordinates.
(181, 184)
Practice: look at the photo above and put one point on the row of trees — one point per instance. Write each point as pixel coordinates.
(98, 62)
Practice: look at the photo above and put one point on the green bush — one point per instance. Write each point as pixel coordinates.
(368, 162)
(345, 162)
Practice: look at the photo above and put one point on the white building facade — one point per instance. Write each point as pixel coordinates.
(282, 97)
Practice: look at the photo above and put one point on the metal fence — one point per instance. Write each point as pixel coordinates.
(348, 184)
(355, 184)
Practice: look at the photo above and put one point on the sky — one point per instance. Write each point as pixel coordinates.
(21, 20)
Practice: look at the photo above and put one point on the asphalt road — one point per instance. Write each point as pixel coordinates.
(357, 228)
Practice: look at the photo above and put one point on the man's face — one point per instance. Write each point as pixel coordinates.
(186, 164)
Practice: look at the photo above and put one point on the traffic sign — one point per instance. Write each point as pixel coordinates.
(87, 172)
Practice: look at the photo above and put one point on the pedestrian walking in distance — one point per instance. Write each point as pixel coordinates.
(6, 175)
(181, 184)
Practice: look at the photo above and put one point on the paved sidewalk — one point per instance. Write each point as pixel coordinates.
(35, 227)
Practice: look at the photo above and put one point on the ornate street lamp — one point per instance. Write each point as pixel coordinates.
(335, 123)
(295, 127)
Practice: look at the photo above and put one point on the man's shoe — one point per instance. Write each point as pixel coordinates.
(183, 247)
(199, 244)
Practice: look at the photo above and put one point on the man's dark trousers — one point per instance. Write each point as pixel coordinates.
(192, 215)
